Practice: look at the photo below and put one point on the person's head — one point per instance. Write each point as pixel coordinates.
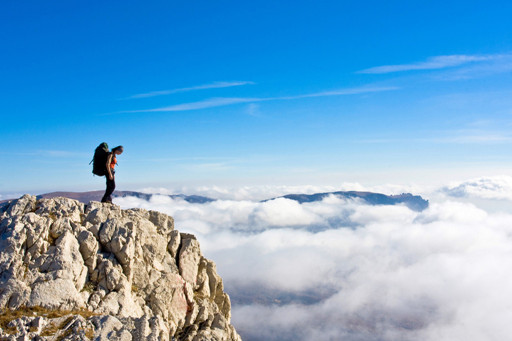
(117, 150)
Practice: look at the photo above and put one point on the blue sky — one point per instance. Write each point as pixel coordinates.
(231, 92)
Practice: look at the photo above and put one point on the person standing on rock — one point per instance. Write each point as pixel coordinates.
(111, 182)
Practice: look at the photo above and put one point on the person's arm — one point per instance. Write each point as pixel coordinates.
(109, 171)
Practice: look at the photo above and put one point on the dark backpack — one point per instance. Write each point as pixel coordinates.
(99, 161)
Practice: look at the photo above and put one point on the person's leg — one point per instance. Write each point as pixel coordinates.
(105, 196)
(111, 186)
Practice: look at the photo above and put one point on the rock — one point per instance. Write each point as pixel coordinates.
(161, 221)
(88, 248)
(189, 259)
(110, 328)
(37, 324)
(25, 204)
(14, 293)
(55, 294)
(60, 207)
(174, 243)
(84, 272)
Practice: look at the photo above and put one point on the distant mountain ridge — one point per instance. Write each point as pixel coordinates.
(414, 202)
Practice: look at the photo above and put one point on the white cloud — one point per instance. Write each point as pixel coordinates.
(284, 212)
(340, 92)
(437, 62)
(207, 103)
(441, 280)
(496, 65)
(495, 187)
(224, 101)
(214, 85)
(368, 272)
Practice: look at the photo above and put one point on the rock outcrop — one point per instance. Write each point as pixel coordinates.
(70, 271)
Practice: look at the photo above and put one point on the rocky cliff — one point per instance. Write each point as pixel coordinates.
(70, 271)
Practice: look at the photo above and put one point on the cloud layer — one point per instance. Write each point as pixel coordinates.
(338, 269)
(496, 187)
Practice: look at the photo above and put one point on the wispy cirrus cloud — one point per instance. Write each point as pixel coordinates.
(432, 63)
(340, 92)
(498, 64)
(214, 85)
(224, 101)
(203, 104)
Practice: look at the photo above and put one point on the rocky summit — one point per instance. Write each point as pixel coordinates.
(71, 271)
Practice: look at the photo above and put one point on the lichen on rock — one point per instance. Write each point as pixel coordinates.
(135, 275)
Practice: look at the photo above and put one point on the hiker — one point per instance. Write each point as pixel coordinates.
(110, 173)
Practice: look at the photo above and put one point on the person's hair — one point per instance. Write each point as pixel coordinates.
(115, 149)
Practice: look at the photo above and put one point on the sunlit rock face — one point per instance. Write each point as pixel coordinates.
(71, 271)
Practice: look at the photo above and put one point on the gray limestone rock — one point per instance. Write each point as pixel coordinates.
(95, 272)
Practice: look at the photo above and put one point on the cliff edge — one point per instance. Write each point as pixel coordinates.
(70, 271)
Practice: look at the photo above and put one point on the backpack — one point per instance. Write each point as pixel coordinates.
(99, 161)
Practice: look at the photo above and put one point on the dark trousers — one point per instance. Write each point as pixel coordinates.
(111, 186)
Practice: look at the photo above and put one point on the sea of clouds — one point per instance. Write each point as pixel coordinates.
(344, 270)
